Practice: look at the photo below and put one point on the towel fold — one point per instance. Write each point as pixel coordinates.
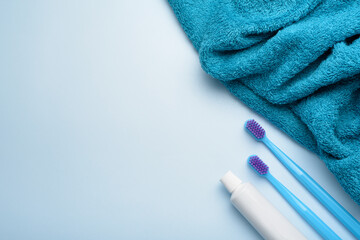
(295, 62)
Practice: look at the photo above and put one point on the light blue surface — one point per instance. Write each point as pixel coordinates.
(109, 129)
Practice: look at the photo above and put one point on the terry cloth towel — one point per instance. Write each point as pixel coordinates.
(296, 62)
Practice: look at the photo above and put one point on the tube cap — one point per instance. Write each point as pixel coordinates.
(230, 181)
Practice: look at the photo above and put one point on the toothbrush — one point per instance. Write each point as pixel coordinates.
(263, 170)
(324, 197)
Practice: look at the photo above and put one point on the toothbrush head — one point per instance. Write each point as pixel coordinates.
(255, 129)
(258, 165)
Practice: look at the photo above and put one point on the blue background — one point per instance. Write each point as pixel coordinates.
(109, 129)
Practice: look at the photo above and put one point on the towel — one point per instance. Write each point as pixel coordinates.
(296, 62)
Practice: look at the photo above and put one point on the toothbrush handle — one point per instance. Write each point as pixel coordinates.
(324, 197)
(304, 211)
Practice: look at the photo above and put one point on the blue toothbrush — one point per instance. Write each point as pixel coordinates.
(263, 170)
(329, 202)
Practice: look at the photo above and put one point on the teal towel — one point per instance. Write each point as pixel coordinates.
(296, 62)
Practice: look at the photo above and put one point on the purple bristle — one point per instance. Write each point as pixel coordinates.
(255, 128)
(258, 165)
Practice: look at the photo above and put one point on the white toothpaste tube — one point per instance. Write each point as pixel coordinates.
(260, 213)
